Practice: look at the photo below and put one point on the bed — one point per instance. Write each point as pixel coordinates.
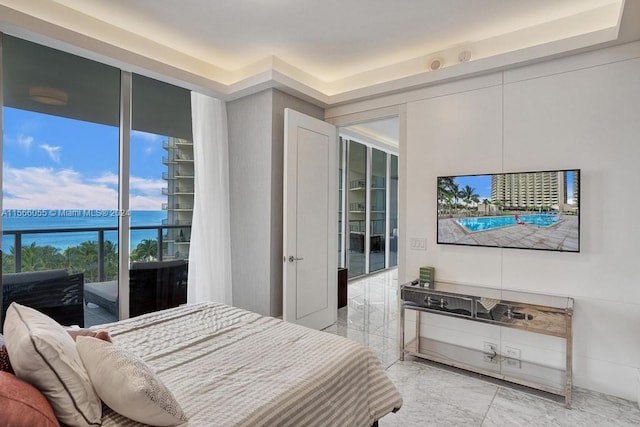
(231, 367)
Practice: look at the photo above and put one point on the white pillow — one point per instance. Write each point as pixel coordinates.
(43, 354)
(127, 385)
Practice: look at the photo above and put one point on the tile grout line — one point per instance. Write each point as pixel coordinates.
(495, 393)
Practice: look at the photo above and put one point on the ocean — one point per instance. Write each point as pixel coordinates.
(39, 219)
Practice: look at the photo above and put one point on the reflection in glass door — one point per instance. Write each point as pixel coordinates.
(378, 210)
(357, 203)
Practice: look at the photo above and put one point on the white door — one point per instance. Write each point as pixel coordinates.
(310, 240)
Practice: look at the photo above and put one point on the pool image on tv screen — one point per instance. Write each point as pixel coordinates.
(523, 210)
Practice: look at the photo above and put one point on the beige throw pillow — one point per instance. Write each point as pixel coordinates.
(43, 354)
(127, 385)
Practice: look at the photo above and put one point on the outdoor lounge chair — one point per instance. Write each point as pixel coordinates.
(153, 286)
(55, 293)
(157, 285)
(104, 294)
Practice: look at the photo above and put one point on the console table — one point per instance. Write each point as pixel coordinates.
(535, 313)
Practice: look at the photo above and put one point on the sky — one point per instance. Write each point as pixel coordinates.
(55, 162)
(482, 185)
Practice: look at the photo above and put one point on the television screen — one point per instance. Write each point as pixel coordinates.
(525, 210)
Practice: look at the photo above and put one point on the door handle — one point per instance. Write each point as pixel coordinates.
(292, 259)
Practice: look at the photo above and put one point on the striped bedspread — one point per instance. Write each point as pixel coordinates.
(231, 367)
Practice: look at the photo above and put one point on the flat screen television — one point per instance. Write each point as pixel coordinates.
(523, 210)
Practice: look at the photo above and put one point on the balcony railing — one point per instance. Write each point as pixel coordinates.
(100, 232)
(176, 222)
(177, 206)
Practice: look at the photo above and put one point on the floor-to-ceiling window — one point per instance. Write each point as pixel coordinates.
(60, 164)
(162, 174)
(65, 175)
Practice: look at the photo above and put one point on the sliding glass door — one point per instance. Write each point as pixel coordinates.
(378, 210)
(357, 202)
(372, 199)
(393, 211)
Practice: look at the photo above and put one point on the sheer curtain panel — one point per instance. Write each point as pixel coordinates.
(210, 252)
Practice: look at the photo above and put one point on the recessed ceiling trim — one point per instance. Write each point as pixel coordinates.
(157, 61)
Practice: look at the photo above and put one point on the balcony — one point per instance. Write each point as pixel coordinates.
(183, 190)
(177, 207)
(184, 174)
(94, 265)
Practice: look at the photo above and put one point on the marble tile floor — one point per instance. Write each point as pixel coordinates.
(435, 395)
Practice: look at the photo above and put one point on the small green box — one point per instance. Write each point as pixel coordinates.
(426, 275)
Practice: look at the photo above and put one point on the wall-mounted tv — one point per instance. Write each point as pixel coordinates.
(524, 210)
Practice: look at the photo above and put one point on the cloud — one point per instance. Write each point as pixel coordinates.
(25, 141)
(146, 194)
(52, 151)
(50, 188)
(146, 203)
(145, 136)
(107, 178)
(146, 185)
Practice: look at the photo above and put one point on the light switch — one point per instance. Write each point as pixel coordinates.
(418, 243)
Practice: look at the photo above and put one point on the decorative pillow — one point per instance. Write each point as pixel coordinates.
(5, 363)
(127, 385)
(22, 405)
(43, 354)
(101, 334)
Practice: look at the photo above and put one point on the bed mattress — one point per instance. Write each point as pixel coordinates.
(231, 367)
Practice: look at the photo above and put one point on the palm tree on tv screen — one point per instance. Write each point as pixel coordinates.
(468, 195)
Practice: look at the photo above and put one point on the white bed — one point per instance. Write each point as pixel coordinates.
(230, 367)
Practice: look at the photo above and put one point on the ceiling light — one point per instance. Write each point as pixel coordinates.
(48, 95)
(435, 64)
(464, 56)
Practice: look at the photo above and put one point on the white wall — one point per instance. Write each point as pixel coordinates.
(256, 150)
(577, 112)
(249, 122)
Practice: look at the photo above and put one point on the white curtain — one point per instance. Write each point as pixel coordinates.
(210, 249)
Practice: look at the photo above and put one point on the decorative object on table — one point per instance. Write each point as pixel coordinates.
(426, 276)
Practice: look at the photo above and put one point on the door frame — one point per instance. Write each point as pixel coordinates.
(400, 111)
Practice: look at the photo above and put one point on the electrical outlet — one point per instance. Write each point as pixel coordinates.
(513, 363)
(490, 348)
(490, 358)
(490, 352)
(512, 353)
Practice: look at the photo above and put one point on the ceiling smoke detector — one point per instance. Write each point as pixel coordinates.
(464, 56)
(435, 64)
